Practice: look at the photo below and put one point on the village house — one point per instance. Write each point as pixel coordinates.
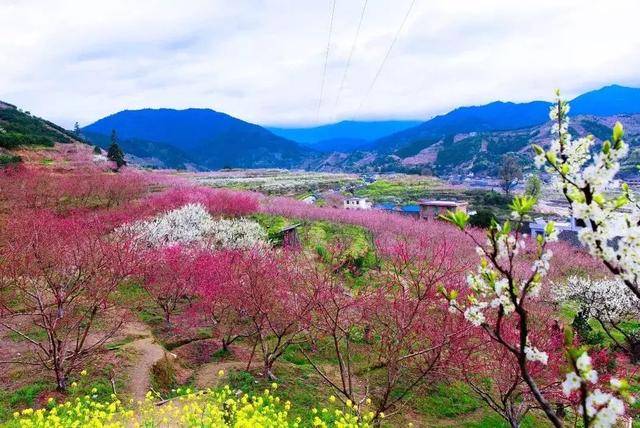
(357, 204)
(408, 210)
(567, 230)
(431, 209)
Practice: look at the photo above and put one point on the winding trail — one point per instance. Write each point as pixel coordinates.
(149, 352)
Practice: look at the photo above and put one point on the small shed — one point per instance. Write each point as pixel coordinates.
(290, 238)
(431, 209)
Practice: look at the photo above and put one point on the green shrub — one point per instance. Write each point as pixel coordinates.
(9, 159)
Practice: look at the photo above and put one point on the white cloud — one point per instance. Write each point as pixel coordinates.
(261, 60)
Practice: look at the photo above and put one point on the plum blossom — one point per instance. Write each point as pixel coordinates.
(192, 223)
(606, 300)
(534, 354)
(571, 383)
(608, 207)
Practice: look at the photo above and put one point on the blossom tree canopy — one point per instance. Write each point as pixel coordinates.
(192, 223)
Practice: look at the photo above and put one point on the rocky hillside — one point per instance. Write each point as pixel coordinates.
(480, 152)
(473, 139)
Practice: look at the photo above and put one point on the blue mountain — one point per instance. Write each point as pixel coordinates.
(505, 116)
(343, 136)
(607, 101)
(206, 138)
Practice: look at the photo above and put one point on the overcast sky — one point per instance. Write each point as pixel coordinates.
(263, 60)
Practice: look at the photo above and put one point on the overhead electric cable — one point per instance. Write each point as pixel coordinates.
(326, 60)
(353, 47)
(386, 56)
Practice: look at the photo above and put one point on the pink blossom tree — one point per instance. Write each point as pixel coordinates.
(60, 275)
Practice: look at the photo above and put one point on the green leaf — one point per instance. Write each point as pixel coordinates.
(599, 199)
(551, 157)
(549, 227)
(618, 132)
(523, 204)
(539, 150)
(568, 336)
(459, 218)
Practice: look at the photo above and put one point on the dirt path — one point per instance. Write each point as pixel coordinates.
(149, 352)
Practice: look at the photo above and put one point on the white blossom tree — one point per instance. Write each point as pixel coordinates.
(610, 304)
(611, 214)
(192, 224)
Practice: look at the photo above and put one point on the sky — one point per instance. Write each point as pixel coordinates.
(264, 60)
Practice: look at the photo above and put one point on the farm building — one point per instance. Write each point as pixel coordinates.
(431, 209)
(357, 204)
(567, 230)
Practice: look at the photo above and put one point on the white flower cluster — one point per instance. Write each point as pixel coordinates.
(586, 177)
(192, 223)
(602, 408)
(236, 234)
(534, 354)
(492, 289)
(606, 300)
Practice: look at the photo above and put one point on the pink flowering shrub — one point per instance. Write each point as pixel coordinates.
(216, 201)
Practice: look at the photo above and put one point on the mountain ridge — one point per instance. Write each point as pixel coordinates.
(208, 138)
(212, 139)
(355, 134)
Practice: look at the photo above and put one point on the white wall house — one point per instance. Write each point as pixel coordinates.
(538, 225)
(357, 204)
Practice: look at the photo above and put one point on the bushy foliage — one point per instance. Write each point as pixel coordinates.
(482, 218)
(9, 159)
(610, 304)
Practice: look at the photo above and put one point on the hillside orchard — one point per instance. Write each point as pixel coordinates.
(136, 298)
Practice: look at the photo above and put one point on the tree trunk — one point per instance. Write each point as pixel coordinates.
(61, 380)
(268, 369)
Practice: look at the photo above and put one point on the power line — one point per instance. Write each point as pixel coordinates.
(326, 60)
(353, 47)
(386, 56)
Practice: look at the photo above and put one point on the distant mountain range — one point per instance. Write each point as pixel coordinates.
(505, 116)
(344, 136)
(473, 139)
(467, 139)
(197, 139)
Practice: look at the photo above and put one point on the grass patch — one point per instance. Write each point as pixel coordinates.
(37, 334)
(21, 398)
(221, 354)
(448, 401)
(493, 420)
